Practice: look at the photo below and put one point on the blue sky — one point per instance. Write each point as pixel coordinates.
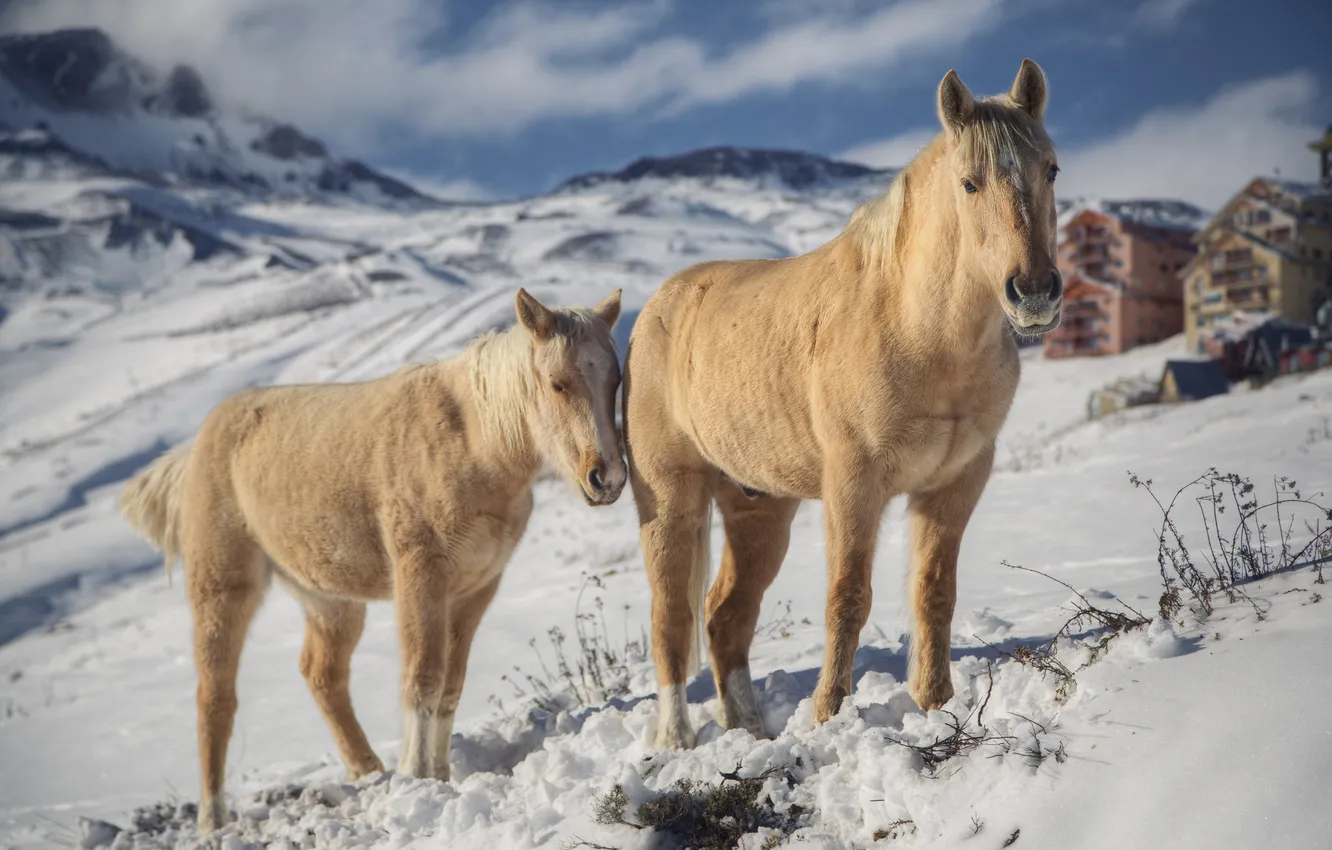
(1183, 98)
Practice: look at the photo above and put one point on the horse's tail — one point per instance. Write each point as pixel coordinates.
(698, 590)
(150, 503)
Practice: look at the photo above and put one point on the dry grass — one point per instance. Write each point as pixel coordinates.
(706, 817)
(596, 671)
(1261, 539)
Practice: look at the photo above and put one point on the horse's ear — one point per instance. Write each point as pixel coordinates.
(1029, 91)
(609, 309)
(534, 316)
(955, 103)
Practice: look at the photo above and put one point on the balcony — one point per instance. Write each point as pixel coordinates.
(1076, 329)
(1085, 251)
(1241, 276)
(1253, 298)
(1089, 235)
(1075, 310)
(1232, 259)
(1099, 270)
(1211, 306)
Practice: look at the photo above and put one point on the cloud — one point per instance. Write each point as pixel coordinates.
(363, 74)
(893, 152)
(1202, 154)
(1161, 15)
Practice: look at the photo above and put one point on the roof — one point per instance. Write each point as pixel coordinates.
(1279, 335)
(1238, 324)
(1207, 250)
(1197, 379)
(1161, 214)
(1305, 191)
(1079, 280)
(1129, 387)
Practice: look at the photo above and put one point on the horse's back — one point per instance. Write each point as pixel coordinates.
(290, 468)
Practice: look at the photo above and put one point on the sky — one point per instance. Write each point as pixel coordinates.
(1162, 98)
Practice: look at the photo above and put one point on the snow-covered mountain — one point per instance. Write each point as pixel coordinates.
(85, 94)
(791, 169)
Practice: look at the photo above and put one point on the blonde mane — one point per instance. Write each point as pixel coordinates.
(503, 382)
(995, 136)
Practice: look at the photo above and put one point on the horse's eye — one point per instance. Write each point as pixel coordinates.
(969, 186)
(1054, 170)
(557, 386)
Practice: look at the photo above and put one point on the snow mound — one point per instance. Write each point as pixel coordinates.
(875, 771)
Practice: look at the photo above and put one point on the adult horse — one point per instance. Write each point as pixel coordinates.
(415, 487)
(881, 364)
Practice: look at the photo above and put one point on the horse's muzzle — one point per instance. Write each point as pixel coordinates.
(602, 485)
(1033, 306)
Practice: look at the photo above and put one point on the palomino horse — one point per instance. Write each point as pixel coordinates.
(878, 365)
(415, 487)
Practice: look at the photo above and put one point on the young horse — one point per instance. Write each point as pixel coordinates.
(415, 487)
(878, 365)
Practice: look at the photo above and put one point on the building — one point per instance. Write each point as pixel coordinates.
(1323, 147)
(1192, 380)
(1121, 284)
(1122, 394)
(1267, 252)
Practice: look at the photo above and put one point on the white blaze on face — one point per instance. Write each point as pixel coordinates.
(1010, 167)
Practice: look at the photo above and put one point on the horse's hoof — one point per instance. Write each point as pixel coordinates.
(212, 814)
(675, 736)
(827, 704)
(365, 768)
(931, 696)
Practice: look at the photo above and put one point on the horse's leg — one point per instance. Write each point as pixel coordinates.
(332, 629)
(420, 591)
(226, 580)
(853, 502)
(673, 507)
(757, 533)
(464, 618)
(938, 519)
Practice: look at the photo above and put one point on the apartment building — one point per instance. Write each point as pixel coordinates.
(1266, 253)
(1121, 284)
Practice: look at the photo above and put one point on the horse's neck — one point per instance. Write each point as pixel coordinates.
(942, 300)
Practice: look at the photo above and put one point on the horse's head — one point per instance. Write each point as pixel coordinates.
(1003, 169)
(577, 374)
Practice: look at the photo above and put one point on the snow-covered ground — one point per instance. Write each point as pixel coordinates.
(129, 307)
(1202, 735)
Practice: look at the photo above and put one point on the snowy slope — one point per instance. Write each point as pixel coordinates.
(101, 707)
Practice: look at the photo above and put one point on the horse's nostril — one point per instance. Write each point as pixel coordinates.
(1056, 285)
(1011, 292)
(594, 479)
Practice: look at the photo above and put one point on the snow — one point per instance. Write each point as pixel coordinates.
(1204, 734)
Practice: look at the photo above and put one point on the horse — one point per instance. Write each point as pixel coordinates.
(413, 487)
(878, 365)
